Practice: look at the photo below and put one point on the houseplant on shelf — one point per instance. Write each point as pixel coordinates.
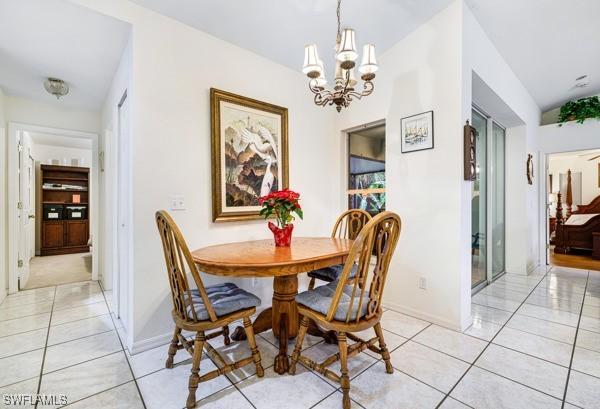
(281, 204)
(580, 110)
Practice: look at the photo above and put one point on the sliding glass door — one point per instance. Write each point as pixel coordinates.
(479, 205)
(497, 202)
(487, 202)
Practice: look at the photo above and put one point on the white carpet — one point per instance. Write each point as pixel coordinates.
(53, 270)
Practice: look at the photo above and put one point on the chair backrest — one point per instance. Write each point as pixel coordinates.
(179, 262)
(350, 223)
(378, 238)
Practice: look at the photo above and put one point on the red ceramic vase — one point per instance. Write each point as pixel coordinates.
(283, 237)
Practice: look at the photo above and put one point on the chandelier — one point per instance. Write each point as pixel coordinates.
(344, 90)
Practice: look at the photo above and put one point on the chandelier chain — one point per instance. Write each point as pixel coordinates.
(339, 30)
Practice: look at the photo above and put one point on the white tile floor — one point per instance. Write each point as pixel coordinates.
(534, 343)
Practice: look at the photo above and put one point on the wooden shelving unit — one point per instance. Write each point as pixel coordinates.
(66, 232)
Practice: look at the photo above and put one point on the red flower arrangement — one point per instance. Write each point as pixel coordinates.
(282, 204)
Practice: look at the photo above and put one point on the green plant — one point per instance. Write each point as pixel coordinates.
(580, 110)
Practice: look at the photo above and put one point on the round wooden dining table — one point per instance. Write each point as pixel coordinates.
(260, 258)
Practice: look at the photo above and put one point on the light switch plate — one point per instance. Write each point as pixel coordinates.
(177, 202)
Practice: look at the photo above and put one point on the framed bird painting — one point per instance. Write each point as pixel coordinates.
(249, 154)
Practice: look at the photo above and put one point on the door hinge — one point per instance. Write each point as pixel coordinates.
(20, 205)
(20, 147)
(20, 263)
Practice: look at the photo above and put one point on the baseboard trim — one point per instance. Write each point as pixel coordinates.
(149, 343)
(434, 319)
(153, 342)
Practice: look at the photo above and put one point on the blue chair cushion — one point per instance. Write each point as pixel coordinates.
(332, 273)
(225, 298)
(319, 299)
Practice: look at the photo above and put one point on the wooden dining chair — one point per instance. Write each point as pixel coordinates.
(202, 309)
(347, 226)
(347, 306)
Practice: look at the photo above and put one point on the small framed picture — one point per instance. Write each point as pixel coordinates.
(417, 132)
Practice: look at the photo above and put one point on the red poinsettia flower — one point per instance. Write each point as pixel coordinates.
(282, 204)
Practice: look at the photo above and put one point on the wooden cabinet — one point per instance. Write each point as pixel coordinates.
(77, 232)
(65, 190)
(53, 234)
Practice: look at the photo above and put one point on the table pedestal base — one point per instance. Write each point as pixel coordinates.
(283, 319)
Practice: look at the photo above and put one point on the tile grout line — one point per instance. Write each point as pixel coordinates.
(57, 325)
(122, 346)
(376, 361)
(488, 344)
(45, 350)
(575, 343)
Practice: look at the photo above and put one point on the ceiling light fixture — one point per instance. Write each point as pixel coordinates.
(56, 87)
(582, 81)
(345, 53)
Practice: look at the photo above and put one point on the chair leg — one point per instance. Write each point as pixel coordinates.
(195, 376)
(255, 352)
(345, 380)
(226, 339)
(311, 285)
(385, 354)
(299, 340)
(173, 348)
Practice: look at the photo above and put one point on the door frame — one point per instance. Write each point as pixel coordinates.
(490, 121)
(13, 194)
(122, 263)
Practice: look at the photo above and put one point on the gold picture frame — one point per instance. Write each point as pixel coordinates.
(249, 154)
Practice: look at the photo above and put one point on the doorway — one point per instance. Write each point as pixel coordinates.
(572, 204)
(366, 168)
(31, 192)
(488, 247)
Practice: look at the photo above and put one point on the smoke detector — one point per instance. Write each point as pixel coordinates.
(56, 87)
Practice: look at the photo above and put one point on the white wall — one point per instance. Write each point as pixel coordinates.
(522, 222)
(3, 199)
(45, 153)
(424, 187)
(32, 112)
(170, 112)
(569, 137)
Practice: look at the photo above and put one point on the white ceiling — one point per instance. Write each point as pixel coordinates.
(42, 38)
(60, 140)
(547, 43)
(279, 29)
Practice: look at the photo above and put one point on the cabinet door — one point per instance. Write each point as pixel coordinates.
(77, 233)
(53, 234)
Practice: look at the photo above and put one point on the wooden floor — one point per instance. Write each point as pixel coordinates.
(574, 260)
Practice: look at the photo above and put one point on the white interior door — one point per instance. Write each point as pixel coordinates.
(123, 217)
(24, 207)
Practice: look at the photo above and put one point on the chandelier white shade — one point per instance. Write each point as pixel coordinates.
(346, 52)
(311, 61)
(343, 91)
(369, 62)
